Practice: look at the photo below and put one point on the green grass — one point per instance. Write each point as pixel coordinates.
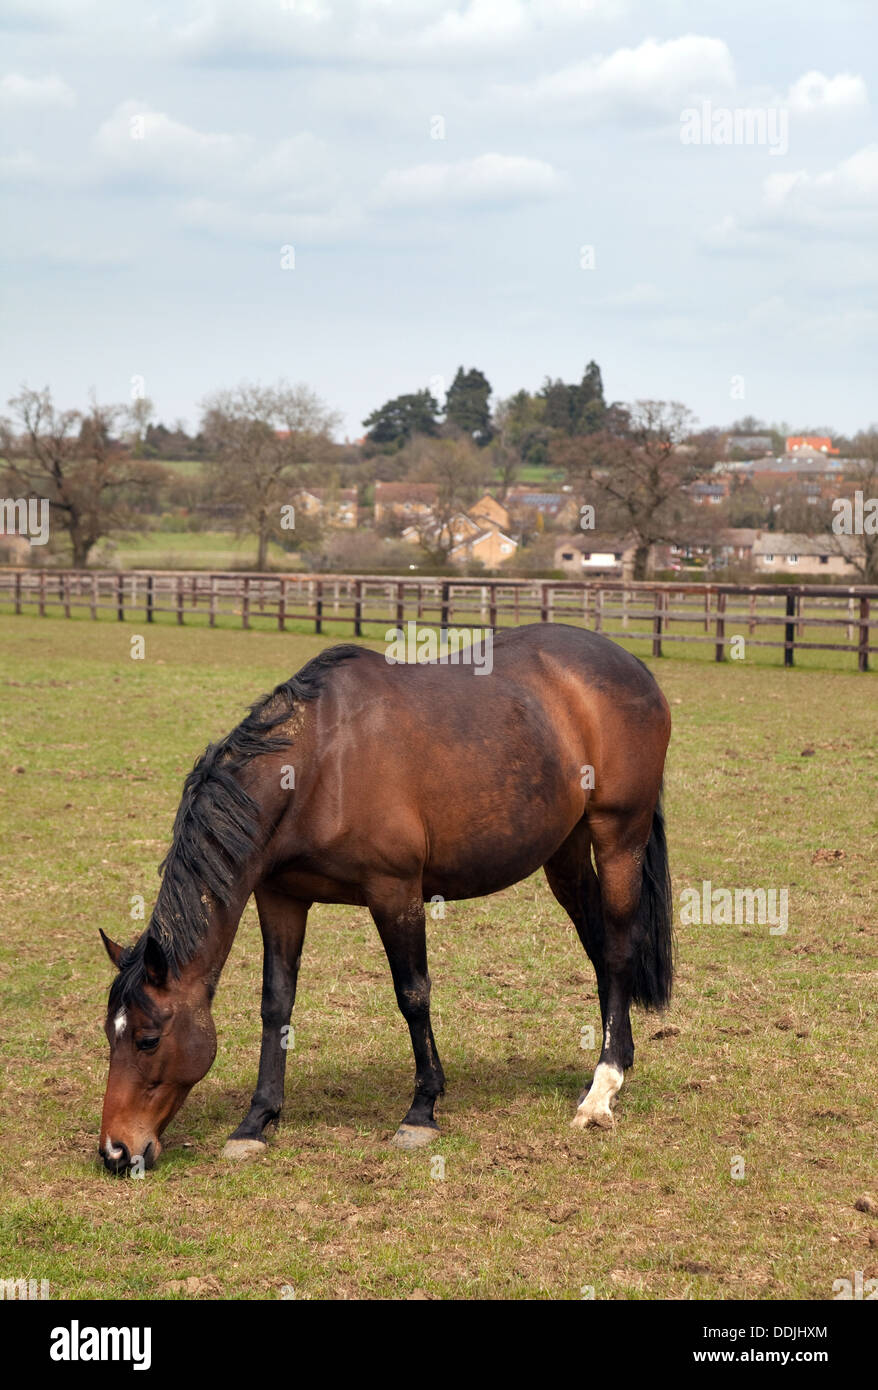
(773, 1060)
(207, 550)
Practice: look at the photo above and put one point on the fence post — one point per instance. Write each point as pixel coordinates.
(492, 609)
(863, 653)
(720, 626)
(150, 597)
(400, 603)
(42, 596)
(245, 603)
(789, 631)
(318, 606)
(66, 587)
(120, 598)
(212, 618)
(180, 600)
(446, 604)
(282, 606)
(358, 607)
(18, 591)
(707, 610)
(658, 605)
(544, 603)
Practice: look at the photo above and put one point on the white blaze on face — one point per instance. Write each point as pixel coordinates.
(119, 1022)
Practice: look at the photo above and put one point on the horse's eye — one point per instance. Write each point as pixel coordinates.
(147, 1044)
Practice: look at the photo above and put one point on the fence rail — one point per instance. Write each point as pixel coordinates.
(718, 614)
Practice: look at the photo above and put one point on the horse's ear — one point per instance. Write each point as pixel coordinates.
(113, 950)
(155, 963)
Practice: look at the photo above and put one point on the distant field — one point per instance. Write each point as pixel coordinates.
(195, 550)
(767, 1056)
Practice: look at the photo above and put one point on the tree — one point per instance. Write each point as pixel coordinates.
(635, 476)
(75, 459)
(458, 470)
(393, 424)
(466, 405)
(520, 423)
(854, 528)
(268, 443)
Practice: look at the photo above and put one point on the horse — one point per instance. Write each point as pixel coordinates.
(358, 781)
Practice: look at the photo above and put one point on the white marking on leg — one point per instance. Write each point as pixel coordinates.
(119, 1022)
(595, 1109)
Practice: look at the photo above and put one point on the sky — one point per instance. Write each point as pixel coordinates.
(363, 195)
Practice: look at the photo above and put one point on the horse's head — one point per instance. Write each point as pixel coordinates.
(162, 1041)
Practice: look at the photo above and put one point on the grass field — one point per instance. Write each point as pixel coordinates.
(766, 1057)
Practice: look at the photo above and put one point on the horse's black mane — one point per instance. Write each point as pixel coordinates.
(215, 830)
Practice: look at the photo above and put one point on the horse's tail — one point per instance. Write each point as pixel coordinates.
(654, 932)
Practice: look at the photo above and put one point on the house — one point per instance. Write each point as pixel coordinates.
(780, 551)
(489, 512)
(470, 540)
(593, 556)
(809, 443)
(756, 445)
(337, 506)
(560, 508)
(403, 501)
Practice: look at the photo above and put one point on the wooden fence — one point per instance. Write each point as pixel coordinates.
(718, 614)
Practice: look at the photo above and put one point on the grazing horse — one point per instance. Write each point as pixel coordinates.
(360, 781)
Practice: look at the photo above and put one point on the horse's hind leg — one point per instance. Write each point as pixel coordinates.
(619, 844)
(573, 881)
(282, 920)
(398, 912)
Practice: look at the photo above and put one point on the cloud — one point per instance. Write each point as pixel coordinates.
(814, 92)
(381, 32)
(656, 78)
(137, 144)
(33, 93)
(852, 186)
(489, 178)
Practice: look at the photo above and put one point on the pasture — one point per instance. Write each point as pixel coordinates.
(765, 1059)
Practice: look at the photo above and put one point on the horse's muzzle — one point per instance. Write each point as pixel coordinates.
(118, 1160)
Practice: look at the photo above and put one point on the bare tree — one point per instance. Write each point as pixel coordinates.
(635, 474)
(75, 459)
(268, 443)
(853, 530)
(458, 470)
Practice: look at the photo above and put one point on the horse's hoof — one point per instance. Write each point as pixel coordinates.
(239, 1150)
(601, 1119)
(409, 1137)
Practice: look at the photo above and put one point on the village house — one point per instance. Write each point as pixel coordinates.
(476, 535)
(558, 508)
(779, 551)
(336, 506)
(404, 501)
(591, 556)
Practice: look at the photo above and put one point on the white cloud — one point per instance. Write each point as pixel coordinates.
(30, 93)
(140, 144)
(377, 31)
(814, 92)
(489, 178)
(656, 77)
(851, 185)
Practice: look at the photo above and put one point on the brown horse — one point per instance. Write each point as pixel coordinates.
(360, 781)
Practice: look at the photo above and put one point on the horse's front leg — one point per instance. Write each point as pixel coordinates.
(282, 921)
(398, 911)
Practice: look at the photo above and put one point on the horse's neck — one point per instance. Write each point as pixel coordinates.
(219, 936)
